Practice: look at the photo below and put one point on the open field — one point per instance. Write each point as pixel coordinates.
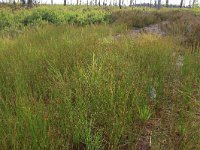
(92, 78)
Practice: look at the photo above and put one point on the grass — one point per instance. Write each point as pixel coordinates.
(77, 87)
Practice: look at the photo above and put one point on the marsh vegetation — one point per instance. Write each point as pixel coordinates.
(67, 82)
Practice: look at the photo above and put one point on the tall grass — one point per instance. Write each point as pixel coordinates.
(79, 88)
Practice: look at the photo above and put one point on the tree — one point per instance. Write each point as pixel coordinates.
(190, 3)
(23, 2)
(155, 3)
(150, 3)
(65, 2)
(30, 3)
(159, 4)
(193, 3)
(167, 3)
(51, 2)
(120, 4)
(181, 4)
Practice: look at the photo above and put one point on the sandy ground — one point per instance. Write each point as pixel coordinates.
(151, 29)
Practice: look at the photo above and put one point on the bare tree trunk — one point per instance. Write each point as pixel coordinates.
(155, 3)
(190, 3)
(99, 2)
(131, 3)
(167, 3)
(65, 2)
(77, 2)
(23, 2)
(150, 3)
(105, 3)
(51, 2)
(30, 3)
(181, 4)
(159, 4)
(120, 4)
(193, 3)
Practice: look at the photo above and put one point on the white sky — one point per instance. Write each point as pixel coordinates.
(126, 1)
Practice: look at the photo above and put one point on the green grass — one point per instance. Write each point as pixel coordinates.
(66, 86)
(76, 87)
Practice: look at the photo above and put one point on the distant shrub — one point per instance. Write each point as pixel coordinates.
(53, 15)
(187, 26)
(43, 15)
(6, 19)
(139, 18)
(86, 17)
(136, 18)
(56, 16)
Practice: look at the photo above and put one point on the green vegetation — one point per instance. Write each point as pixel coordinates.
(17, 19)
(72, 85)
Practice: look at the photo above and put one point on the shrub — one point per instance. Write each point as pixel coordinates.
(6, 19)
(53, 15)
(140, 18)
(186, 25)
(43, 15)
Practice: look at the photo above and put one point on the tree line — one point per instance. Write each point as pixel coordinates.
(120, 3)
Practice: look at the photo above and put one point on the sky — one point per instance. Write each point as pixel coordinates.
(126, 1)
